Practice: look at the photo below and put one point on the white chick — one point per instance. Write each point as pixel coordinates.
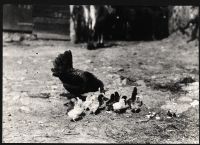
(77, 111)
(88, 102)
(95, 104)
(121, 105)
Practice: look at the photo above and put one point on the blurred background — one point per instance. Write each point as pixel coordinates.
(122, 23)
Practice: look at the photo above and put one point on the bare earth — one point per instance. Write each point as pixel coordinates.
(33, 107)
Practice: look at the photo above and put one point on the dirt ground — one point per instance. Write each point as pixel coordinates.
(33, 104)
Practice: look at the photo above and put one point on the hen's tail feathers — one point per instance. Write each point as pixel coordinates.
(134, 93)
(62, 63)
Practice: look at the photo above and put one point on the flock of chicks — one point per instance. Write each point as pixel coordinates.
(98, 101)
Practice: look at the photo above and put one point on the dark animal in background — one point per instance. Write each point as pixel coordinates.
(98, 17)
(79, 24)
(74, 80)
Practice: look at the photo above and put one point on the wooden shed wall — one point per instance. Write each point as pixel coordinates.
(17, 17)
(47, 21)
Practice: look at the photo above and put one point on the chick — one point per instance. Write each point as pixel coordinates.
(136, 106)
(133, 97)
(171, 114)
(77, 111)
(87, 102)
(70, 104)
(113, 99)
(121, 105)
(117, 97)
(110, 102)
(95, 104)
(102, 101)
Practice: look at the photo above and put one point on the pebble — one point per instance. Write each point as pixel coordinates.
(19, 61)
(157, 117)
(185, 99)
(120, 69)
(194, 103)
(24, 109)
(124, 82)
(22, 78)
(34, 61)
(88, 61)
(16, 97)
(153, 77)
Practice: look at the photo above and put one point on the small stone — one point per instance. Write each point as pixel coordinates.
(34, 61)
(40, 122)
(148, 116)
(124, 82)
(185, 99)
(194, 103)
(22, 78)
(153, 77)
(157, 117)
(109, 112)
(9, 114)
(169, 117)
(19, 61)
(118, 80)
(120, 69)
(89, 61)
(24, 109)
(16, 97)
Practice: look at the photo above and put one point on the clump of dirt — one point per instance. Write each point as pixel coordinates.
(174, 86)
(187, 80)
(170, 86)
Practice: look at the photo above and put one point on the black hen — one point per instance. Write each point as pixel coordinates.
(75, 81)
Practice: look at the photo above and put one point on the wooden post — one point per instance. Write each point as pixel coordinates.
(72, 29)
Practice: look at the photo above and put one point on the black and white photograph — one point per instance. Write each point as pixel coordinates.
(100, 74)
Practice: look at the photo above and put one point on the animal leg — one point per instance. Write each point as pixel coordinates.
(100, 41)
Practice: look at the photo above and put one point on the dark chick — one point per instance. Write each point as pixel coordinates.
(110, 102)
(74, 80)
(133, 96)
(117, 97)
